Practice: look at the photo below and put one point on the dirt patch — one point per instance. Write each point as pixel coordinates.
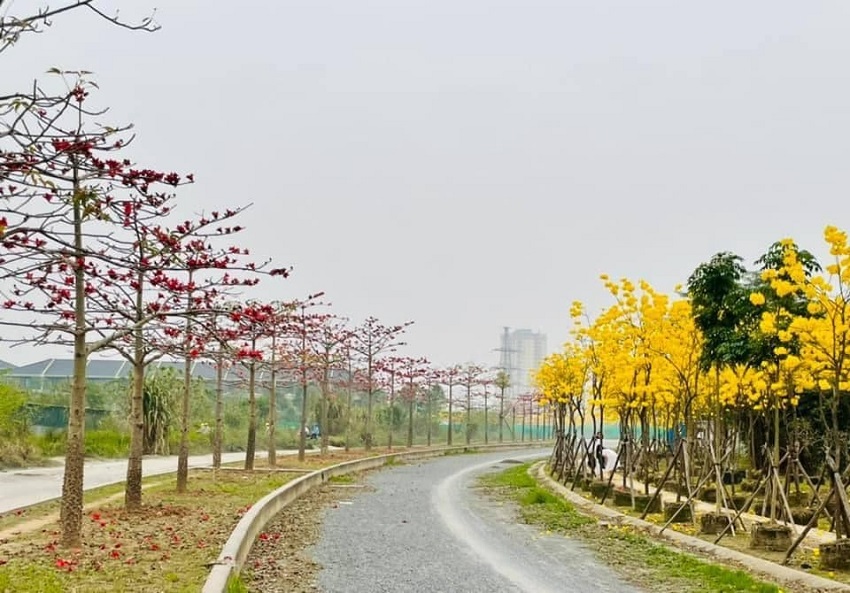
(280, 561)
(166, 546)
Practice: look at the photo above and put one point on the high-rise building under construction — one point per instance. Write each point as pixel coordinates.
(520, 353)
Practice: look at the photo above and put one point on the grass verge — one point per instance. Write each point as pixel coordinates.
(638, 558)
(167, 546)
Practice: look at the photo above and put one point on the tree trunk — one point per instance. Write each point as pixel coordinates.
(323, 426)
(537, 422)
(522, 437)
(272, 460)
(348, 406)
(302, 437)
(71, 510)
(486, 426)
(430, 420)
(392, 411)
(410, 422)
(251, 447)
(468, 413)
(133, 488)
(501, 415)
(717, 442)
(449, 441)
(368, 431)
(183, 451)
(219, 409)
(71, 507)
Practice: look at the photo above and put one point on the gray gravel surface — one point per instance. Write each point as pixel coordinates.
(424, 528)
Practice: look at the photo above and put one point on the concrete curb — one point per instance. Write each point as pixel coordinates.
(241, 540)
(763, 568)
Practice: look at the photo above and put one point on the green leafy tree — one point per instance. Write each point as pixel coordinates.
(159, 397)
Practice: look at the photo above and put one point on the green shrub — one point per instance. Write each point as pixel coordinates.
(107, 443)
(51, 443)
(199, 442)
(14, 419)
(17, 448)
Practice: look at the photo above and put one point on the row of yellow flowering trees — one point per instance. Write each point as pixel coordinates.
(733, 351)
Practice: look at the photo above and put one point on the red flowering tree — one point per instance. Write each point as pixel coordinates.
(502, 381)
(328, 343)
(450, 376)
(269, 332)
(471, 376)
(211, 273)
(387, 372)
(221, 343)
(298, 350)
(276, 326)
(355, 380)
(413, 372)
(250, 324)
(371, 340)
(64, 246)
(176, 274)
(487, 381)
(221, 354)
(432, 381)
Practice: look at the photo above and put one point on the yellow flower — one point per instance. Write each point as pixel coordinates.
(757, 298)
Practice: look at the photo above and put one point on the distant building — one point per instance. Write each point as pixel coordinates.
(51, 373)
(521, 352)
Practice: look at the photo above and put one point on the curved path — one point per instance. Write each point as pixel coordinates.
(424, 527)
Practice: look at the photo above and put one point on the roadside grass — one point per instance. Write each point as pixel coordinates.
(12, 519)
(537, 506)
(167, 546)
(637, 557)
(343, 479)
(236, 585)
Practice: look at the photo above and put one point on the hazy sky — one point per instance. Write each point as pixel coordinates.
(470, 164)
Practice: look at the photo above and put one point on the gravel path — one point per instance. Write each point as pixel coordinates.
(422, 527)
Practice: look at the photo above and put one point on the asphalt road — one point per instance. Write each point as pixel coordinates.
(424, 527)
(23, 487)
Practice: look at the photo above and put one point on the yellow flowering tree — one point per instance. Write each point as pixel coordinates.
(560, 381)
(822, 333)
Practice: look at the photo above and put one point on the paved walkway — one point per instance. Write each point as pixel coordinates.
(24, 487)
(424, 527)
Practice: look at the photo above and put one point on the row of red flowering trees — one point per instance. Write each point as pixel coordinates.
(98, 254)
(94, 258)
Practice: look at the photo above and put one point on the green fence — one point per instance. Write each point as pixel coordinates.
(55, 417)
